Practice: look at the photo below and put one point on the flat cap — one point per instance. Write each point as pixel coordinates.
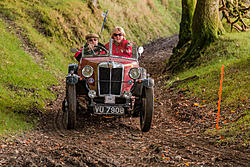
(92, 35)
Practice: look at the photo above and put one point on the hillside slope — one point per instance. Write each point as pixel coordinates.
(36, 37)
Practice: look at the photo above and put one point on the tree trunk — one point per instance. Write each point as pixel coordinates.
(185, 34)
(205, 23)
(205, 30)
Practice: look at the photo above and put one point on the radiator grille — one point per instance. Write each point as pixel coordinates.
(110, 80)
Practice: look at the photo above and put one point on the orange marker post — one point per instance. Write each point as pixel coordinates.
(218, 113)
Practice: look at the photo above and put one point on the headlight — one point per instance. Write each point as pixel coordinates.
(127, 94)
(87, 71)
(92, 94)
(134, 73)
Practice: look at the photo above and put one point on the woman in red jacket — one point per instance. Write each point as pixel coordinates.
(120, 46)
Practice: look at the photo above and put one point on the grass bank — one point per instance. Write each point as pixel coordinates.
(233, 51)
(24, 84)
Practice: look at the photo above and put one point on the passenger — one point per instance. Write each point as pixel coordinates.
(120, 46)
(90, 47)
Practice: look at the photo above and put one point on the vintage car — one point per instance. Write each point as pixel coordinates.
(109, 85)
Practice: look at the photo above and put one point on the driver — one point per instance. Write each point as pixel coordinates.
(120, 46)
(91, 46)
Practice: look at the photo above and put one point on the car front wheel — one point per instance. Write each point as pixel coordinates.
(69, 117)
(146, 113)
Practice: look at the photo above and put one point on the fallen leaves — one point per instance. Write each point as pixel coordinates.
(3, 146)
(110, 136)
(242, 128)
(188, 134)
(196, 104)
(27, 142)
(144, 149)
(165, 155)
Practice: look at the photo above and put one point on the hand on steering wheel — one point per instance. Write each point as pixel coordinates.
(99, 49)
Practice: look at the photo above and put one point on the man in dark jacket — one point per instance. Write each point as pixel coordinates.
(92, 46)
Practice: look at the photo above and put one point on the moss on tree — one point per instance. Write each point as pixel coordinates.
(185, 35)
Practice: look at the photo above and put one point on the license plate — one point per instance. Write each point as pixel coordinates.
(109, 110)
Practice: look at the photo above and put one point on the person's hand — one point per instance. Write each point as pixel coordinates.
(91, 46)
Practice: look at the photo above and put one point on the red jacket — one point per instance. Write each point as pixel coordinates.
(124, 49)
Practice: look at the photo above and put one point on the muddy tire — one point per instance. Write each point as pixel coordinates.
(70, 114)
(137, 108)
(146, 113)
(65, 115)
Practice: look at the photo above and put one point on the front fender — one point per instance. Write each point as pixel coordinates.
(136, 89)
(72, 79)
(139, 85)
(148, 82)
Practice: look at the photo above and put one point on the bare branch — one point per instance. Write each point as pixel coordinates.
(234, 9)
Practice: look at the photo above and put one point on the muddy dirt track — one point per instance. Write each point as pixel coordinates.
(176, 137)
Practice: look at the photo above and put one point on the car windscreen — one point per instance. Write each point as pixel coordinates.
(108, 55)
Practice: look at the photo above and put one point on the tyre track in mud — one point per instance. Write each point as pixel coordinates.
(74, 137)
(95, 155)
(175, 139)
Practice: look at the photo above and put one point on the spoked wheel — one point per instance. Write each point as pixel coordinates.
(69, 112)
(146, 113)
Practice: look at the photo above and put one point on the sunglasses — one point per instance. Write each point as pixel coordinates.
(92, 40)
(117, 35)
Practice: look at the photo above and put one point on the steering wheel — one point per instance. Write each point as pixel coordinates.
(97, 50)
(101, 48)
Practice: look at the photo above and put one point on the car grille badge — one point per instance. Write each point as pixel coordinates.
(110, 99)
(110, 64)
(91, 80)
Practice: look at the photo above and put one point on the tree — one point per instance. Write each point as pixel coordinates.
(205, 28)
(206, 23)
(185, 35)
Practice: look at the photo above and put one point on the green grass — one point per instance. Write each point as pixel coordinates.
(232, 51)
(138, 19)
(13, 123)
(23, 85)
(22, 79)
